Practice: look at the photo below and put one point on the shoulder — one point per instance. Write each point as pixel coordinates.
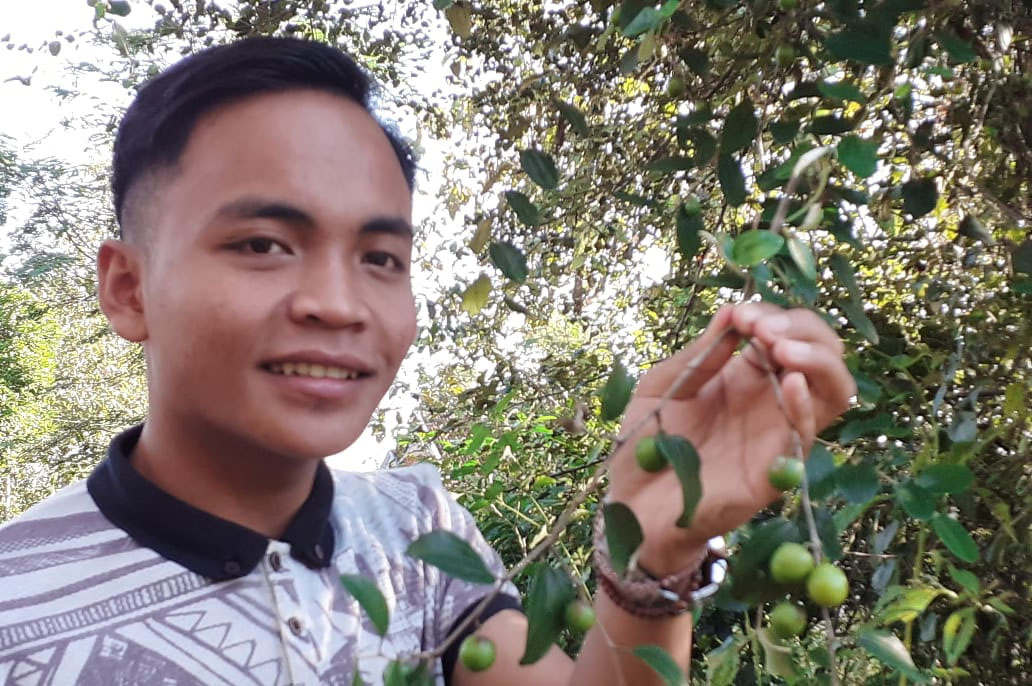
(68, 514)
(413, 489)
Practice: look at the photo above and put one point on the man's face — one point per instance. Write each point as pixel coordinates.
(276, 290)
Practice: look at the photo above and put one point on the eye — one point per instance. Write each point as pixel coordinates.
(384, 259)
(261, 246)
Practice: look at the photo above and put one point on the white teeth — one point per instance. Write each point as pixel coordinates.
(315, 371)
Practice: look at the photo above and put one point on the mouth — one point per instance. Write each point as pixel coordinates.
(313, 370)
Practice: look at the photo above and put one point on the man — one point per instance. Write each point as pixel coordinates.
(264, 266)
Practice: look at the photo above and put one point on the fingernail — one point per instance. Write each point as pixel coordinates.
(797, 350)
(749, 315)
(776, 323)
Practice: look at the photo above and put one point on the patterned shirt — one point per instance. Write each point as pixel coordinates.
(113, 582)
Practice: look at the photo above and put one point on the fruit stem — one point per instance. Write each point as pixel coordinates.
(811, 523)
(908, 628)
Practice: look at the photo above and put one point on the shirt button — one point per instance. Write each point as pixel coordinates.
(295, 625)
(276, 560)
(232, 568)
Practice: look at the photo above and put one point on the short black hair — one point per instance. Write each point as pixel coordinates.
(157, 125)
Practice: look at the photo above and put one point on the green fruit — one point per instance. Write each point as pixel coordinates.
(787, 620)
(477, 653)
(580, 617)
(675, 87)
(791, 563)
(827, 585)
(784, 55)
(648, 455)
(786, 473)
(788, 5)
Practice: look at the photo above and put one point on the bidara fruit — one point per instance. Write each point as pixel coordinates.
(579, 616)
(791, 563)
(787, 620)
(827, 585)
(786, 473)
(648, 456)
(477, 653)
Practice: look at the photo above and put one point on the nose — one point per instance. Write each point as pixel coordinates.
(331, 294)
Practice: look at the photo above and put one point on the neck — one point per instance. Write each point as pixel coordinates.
(223, 475)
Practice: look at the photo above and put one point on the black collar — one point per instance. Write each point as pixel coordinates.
(201, 542)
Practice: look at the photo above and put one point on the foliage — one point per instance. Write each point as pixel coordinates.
(621, 169)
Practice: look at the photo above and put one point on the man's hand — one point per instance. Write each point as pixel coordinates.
(729, 411)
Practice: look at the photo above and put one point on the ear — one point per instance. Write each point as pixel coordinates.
(120, 289)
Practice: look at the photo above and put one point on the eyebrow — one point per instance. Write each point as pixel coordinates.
(259, 208)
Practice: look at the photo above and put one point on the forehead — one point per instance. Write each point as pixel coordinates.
(322, 151)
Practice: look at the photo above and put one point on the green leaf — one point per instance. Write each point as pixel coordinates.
(689, 224)
(857, 483)
(858, 318)
(701, 142)
(889, 650)
(841, 90)
(722, 663)
(749, 579)
(356, 677)
(863, 42)
(683, 457)
(920, 196)
(828, 531)
(540, 167)
(803, 257)
(909, 605)
(830, 125)
(945, 478)
(955, 537)
(732, 180)
(820, 472)
(452, 555)
(777, 657)
(510, 260)
(957, 632)
(740, 128)
(753, 247)
(647, 19)
(959, 50)
(476, 295)
(784, 131)
(915, 501)
(526, 211)
(119, 7)
(662, 664)
(623, 535)
(858, 156)
(617, 392)
(365, 591)
(967, 580)
(696, 60)
(844, 273)
(550, 592)
(669, 165)
(1021, 258)
(575, 117)
(443, 4)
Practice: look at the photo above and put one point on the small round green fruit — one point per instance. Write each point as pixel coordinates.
(787, 620)
(579, 616)
(648, 455)
(827, 585)
(791, 563)
(477, 653)
(675, 87)
(786, 473)
(784, 55)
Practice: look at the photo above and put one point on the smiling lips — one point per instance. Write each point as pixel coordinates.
(314, 371)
